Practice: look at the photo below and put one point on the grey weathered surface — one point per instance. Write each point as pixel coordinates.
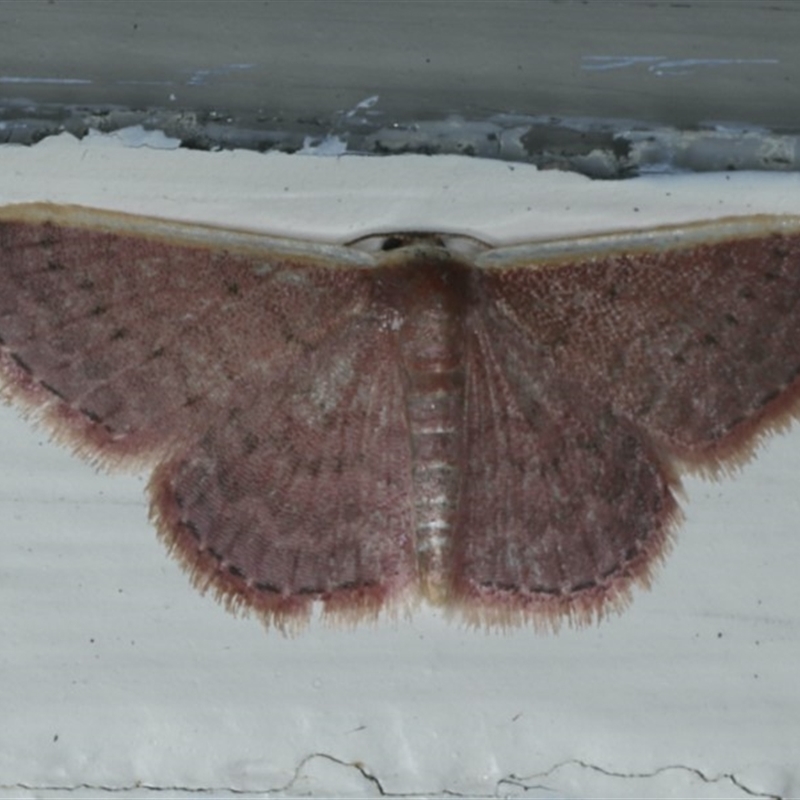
(268, 74)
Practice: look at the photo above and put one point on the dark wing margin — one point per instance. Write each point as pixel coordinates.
(301, 492)
(615, 369)
(563, 505)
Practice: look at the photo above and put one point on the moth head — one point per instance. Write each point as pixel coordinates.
(428, 241)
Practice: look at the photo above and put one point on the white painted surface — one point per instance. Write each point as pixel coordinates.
(115, 673)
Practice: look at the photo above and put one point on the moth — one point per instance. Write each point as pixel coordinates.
(413, 416)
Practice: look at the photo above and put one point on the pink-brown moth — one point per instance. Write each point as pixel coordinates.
(498, 431)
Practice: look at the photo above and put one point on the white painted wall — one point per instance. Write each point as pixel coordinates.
(116, 674)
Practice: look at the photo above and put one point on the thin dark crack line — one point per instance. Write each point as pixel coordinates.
(357, 765)
(510, 780)
(279, 790)
(725, 776)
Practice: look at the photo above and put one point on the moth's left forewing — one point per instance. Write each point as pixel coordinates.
(693, 331)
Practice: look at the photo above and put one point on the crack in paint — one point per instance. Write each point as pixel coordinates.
(278, 790)
(357, 765)
(725, 776)
(518, 782)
